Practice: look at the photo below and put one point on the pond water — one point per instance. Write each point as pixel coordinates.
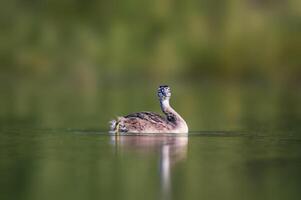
(89, 164)
(245, 143)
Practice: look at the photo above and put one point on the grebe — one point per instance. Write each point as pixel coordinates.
(149, 122)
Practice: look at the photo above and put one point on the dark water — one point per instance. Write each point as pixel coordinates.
(255, 154)
(87, 164)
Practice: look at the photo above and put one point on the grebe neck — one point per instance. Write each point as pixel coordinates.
(165, 105)
(170, 113)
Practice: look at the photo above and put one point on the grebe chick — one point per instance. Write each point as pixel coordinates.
(149, 122)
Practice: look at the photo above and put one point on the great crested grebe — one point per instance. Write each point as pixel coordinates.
(149, 122)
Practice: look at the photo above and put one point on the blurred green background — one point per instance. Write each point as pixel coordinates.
(68, 67)
(232, 65)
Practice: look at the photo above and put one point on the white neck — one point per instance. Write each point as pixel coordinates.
(164, 104)
(167, 109)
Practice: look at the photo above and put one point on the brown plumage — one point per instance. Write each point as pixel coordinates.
(149, 122)
(138, 122)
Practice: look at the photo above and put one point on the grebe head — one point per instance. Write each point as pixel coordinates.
(164, 92)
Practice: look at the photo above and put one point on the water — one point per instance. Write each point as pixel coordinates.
(89, 164)
(245, 143)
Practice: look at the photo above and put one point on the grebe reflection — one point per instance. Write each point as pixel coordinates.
(171, 150)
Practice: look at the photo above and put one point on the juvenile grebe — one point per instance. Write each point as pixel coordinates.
(149, 122)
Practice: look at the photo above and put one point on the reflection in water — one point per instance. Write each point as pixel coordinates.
(171, 149)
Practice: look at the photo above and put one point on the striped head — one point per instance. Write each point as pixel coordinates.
(164, 92)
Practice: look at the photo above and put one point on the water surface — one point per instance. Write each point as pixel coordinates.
(89, 164)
